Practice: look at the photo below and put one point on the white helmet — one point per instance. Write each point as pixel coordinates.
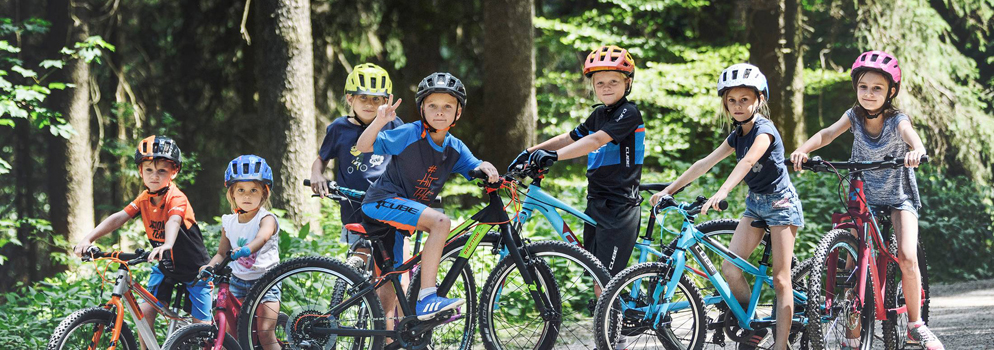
(743, 74)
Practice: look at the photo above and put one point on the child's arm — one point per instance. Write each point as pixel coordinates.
(912, 158)
(553, 144)
(384, 115)
(583, 146)
(111, 223)
(267, 228)
(319, 184)
(172, 230)
(759, 147)
(695, 171)
(819, 140)
(222, 249)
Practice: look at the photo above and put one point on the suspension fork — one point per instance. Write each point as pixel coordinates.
(524, 264)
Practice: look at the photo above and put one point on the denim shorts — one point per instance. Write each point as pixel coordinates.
(907, 206)
(777, 209)
(239, 288)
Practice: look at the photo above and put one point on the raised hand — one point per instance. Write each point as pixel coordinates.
(388, 112)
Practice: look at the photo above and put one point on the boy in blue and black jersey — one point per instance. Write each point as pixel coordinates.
(613, 139)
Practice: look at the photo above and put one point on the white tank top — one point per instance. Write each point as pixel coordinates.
(240, 234)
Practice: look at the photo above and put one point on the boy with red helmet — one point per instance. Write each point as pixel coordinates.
(613, 139)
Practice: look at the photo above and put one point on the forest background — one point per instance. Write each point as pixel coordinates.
(81, 81)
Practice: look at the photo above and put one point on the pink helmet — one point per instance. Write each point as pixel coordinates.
(878, 61)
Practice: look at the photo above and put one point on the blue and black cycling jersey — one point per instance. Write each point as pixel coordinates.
(614, 170)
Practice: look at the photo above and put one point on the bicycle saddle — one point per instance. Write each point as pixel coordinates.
(760, 224)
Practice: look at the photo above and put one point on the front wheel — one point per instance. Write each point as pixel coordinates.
(456, 334)
(199, 336)
(627, 311)
(90, 328)
(895, 326)
(509, 318)
(836, 304)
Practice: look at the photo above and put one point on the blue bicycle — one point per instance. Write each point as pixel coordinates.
(659, 305)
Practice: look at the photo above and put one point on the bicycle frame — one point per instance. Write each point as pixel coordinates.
(536, 199)
(868, 234)
(123, 288)
(692, 240)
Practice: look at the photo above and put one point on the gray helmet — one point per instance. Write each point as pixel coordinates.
(443, 83)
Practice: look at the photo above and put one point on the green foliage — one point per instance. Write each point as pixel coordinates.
(956, 225)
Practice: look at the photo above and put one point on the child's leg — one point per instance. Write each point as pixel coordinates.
(782, 238)
(268, 313)
(906, 230)
(437, 225)
(745, 240)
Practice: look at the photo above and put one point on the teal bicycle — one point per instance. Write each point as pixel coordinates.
(658, 305)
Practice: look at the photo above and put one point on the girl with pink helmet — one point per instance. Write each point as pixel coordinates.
(881, 130)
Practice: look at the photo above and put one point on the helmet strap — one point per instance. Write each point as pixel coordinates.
(355, 116)
(738, 124)
(239, 210)
(160, 192)
(430, 129)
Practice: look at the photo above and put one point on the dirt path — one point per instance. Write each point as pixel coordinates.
(962, 314)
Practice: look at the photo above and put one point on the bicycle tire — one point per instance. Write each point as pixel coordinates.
(199, 336)
(844, 309)
(63, 337)
(494, 339)
(609, 313)
(444, 336)
(306, 307)
(895, 326)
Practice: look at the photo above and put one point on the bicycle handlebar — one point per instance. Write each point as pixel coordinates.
(341, 193)
(692, 209)
(139, 256)
(817, 164)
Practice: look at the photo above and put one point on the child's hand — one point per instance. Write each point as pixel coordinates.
(798, 158)
(490, 170)
(158, 252)
(241, 253)
(712, 202)
(319, 184)
(520, 160)
(914, 158)
(658, 196)
(81, 247)
(388, 112)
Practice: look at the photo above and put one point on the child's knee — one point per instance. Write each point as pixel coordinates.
(782, 284)
(730, 271)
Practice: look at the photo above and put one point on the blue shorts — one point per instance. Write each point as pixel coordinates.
(199, 293)
(398, 213)
(239, 288)
(777, 209)
(907, 206)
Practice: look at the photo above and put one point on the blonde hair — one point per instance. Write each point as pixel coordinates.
(230, 194)
(762, 109)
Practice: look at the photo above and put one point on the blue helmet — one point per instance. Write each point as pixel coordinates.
(248, 168)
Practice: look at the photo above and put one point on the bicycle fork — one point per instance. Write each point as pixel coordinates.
(542, 301)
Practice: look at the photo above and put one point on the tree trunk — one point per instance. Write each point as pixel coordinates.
(775, 47)
(71, 179)
(509, 72)
(286, 99)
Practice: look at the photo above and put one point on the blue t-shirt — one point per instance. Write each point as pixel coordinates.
(354, 170)
(769, 174)
(615, 169)
(420, 167)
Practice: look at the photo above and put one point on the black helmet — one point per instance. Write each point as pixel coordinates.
(158, 147)
(441, 82)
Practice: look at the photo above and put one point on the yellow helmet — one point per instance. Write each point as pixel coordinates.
(368, 79)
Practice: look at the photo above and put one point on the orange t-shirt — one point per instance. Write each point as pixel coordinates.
(188, 253)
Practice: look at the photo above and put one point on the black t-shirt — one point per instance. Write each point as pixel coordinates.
(614, 170)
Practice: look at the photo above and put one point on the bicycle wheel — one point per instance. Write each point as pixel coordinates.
(895, 327)
(721, 230)
(90, 328)
(198, 336)
(623, 310)
(509, 318)
(457, 334)
(835, 311)
(307, 289)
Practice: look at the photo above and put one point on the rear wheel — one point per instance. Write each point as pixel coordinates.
(90, 328)
(457, 334)
(895, 327)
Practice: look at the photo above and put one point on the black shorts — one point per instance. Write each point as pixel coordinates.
(392, 240)
(613, 239)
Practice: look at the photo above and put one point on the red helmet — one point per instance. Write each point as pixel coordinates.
(609, 58)
(878, 61)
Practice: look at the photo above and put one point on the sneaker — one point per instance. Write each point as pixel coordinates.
(753, 340)
(850, 344)
(433, 304)
(922, 335)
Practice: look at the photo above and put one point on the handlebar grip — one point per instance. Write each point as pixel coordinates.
(722, 204)
(924, 159)
(307, 183)
(477, 174)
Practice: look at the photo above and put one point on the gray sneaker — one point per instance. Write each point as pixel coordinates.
(924, 336)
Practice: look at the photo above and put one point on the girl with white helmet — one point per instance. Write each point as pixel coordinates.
(880, 130)
(251, 234)
(772, 198)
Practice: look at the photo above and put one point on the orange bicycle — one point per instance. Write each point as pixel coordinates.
(103, 327)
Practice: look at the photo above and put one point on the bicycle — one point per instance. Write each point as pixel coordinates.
(226, 307)
(657, 303)
(74, 331)
(858, 288)
(523, 277)
(537, 200)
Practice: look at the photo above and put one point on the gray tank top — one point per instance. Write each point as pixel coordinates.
(884, 186)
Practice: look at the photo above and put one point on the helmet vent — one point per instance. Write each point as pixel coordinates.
(735, 74)
(245, 168)
(258, 167)
(886, 60)
(746, 75)
(874, 57)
